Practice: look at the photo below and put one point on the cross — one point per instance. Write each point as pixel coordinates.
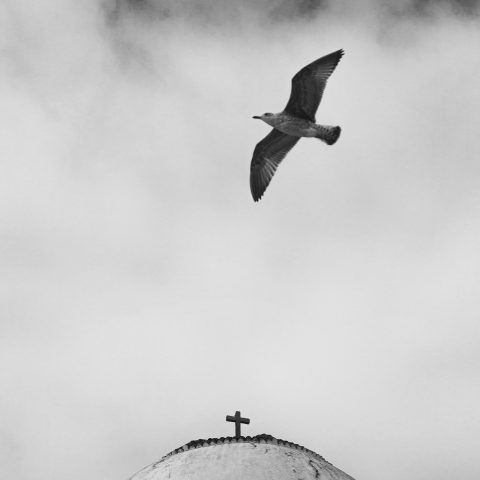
(238, 420)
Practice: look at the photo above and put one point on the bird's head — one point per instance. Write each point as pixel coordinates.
(267, 117)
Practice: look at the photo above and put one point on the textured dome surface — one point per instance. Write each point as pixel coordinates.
(248, 458)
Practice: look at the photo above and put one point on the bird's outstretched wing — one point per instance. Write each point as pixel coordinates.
(267, 156)
(308, 86)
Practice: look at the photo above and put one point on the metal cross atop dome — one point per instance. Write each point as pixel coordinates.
(238, 420)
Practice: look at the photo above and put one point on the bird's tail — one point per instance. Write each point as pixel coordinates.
(328, 134)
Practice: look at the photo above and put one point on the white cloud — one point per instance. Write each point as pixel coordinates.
(144, 294)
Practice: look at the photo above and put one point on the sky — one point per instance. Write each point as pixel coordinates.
(144, 295)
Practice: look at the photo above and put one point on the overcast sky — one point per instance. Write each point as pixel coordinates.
(144, 295)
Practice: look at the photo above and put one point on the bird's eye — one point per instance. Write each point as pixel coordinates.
(268, 114)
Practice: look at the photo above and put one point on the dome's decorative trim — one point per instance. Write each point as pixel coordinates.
(263, 438)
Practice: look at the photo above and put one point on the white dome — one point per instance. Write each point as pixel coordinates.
(247, 458)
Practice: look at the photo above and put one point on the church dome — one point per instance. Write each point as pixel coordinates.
(261, 457)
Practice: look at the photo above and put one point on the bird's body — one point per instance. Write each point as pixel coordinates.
(301, 127)
(298, 127)
(295, 121)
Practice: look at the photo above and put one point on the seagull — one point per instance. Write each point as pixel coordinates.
(297, 120)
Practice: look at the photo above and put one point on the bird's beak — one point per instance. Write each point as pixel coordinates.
(257, 117)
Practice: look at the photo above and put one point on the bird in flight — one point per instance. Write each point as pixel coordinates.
(297, 120)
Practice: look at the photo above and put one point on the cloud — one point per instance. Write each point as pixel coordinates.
(250, 11)
(144, 295)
